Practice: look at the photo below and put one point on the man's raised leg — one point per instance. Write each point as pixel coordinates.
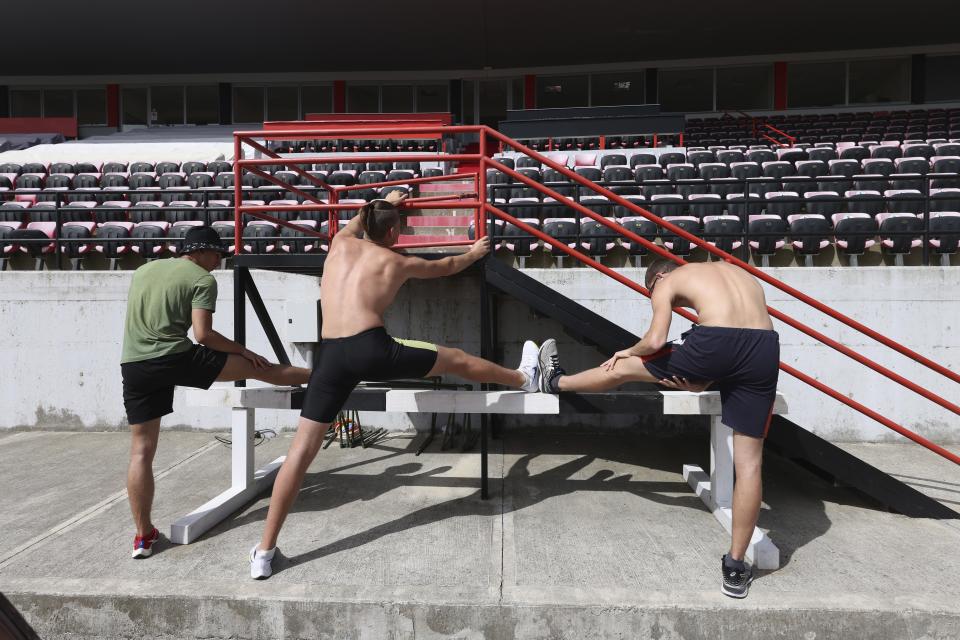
(600, 379)
(460, 363)
(239, 368)
(143, 447)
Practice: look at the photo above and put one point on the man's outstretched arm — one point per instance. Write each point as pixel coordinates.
(656, 336)
(425, 269)
(205, 334)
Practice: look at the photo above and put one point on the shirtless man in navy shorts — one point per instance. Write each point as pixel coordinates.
(734, 348)
(361, 277)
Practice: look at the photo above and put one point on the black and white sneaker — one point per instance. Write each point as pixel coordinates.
(550, 369)
(735, 582)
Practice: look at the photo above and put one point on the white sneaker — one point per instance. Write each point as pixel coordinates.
(529, 367)
(260, 563)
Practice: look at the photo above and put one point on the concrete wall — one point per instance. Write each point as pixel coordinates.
(62, 333)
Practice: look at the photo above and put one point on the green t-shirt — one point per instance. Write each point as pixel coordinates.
(162, 296)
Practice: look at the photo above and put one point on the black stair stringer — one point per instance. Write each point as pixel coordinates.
(785, 438)
(583, 325)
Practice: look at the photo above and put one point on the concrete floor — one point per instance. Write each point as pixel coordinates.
(585, 536)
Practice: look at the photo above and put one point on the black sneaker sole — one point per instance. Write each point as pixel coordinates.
(735, 594)
(546, 371)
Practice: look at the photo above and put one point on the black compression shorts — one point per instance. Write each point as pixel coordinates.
(371, 355)
(743, 364)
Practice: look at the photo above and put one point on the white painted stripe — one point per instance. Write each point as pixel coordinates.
(89, 513)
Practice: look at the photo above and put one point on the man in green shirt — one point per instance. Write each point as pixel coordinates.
(166, 298)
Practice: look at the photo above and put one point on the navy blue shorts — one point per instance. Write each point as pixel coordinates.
(743, 365)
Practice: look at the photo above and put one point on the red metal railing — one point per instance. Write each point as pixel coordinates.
(758, 124)
(482, 208)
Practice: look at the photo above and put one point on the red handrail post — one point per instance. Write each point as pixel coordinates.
(237, 195)
(480, 218)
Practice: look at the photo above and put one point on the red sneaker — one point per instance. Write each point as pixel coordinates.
(143, 546)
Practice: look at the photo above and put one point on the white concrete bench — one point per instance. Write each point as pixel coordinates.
(715, 489)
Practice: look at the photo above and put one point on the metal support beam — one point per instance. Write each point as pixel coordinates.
(240, 310)
(250, 287)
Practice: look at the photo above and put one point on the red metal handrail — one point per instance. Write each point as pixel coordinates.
(946, 404)
(853, 404)
(786, 135)
(816, 304)
(483, 207)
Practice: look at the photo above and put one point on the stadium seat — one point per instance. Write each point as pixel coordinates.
(768, 235)
(259, 237)
(864, 201)
(72, 232)
(742, 206)
(703, 205)
(30, 240)
(192, 167)
(778, 169)
(596, 238)
(723, 232)
(744, 170)
(759, 156)
(886, 151)
(142, 167)
(783, 203)
(899, 233)
(820, 154)
(677, 245)
(809, 235)
(34, 167)
(563, 229)
(7, 248)
(167, 167)
(662, 205)
(613, 159)
(847, 168)
(904, 201)
(671, 157)
(945, 200)
(148, 238)
(642, 227)
(823, 203)
(519, 242)
(855, 153)
(945, 234)
(146, 211)
(854, 233)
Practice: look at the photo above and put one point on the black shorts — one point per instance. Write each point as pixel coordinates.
(743, 364)
(148, 384)
(371, 355)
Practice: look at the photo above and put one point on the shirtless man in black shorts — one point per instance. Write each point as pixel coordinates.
(361, 277)
(734, 348)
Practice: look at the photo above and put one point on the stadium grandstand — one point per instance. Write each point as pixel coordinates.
(813, 157)
(808, 151)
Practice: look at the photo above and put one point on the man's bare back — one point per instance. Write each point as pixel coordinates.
(361, 278)
(723, 295)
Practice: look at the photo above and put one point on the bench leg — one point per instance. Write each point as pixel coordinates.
(246, 484)
(716, 491)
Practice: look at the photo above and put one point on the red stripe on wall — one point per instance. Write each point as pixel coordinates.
(529, 91)
(113, 105)
(779, 85)
(339, 96)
